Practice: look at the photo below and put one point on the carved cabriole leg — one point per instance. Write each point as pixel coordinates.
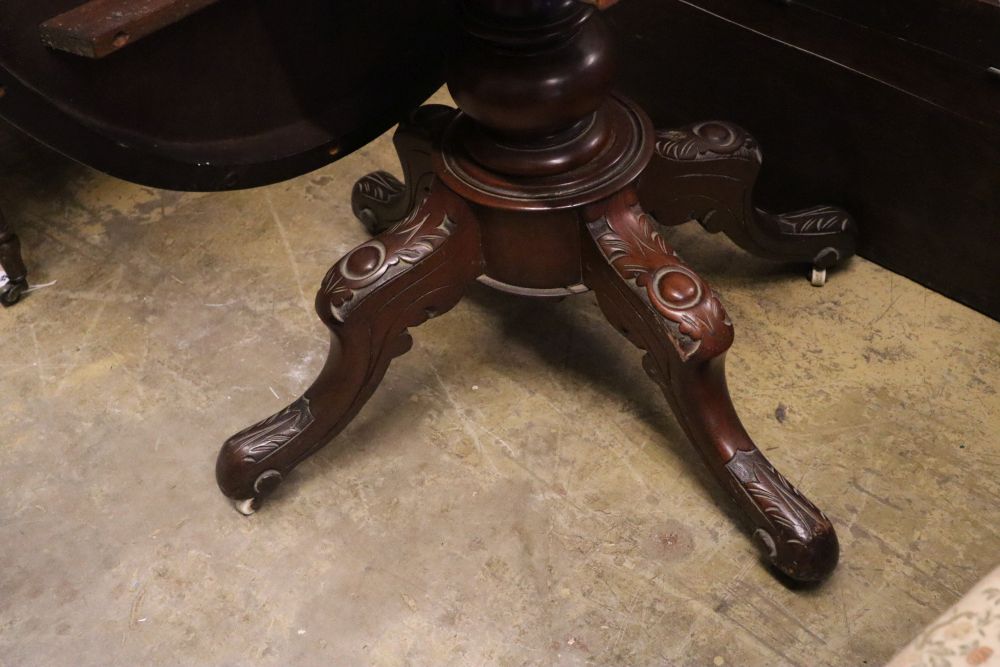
(12, 265)
(707, 172)
(664, 308)
(380, 200)
(416, 270)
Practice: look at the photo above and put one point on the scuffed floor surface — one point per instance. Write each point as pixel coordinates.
(516, 493)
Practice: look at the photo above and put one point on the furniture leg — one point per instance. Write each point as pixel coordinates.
(707, 171)
(668, 311)
(380, 200)
(12, 266)
(418, 269)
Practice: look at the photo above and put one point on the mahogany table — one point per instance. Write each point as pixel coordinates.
(541, 184)
(536, 186)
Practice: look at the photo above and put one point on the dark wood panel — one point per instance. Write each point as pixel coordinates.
(965, 29)
(100, 27)
(952, 85)
(920, 171)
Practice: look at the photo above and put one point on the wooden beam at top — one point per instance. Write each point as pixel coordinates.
(100, 27)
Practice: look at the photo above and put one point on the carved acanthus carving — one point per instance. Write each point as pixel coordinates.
(264, 438)
(795, 518)
(707, 171)
(379, 186)
(630, 241)
(792, 525)
(380, 259)
(380, 200)
(710, 140)
(816, 221)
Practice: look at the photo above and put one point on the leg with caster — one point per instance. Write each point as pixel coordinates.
(13, 273)
(380, 200)
(664, 308)
(418, 269)
(707, 171)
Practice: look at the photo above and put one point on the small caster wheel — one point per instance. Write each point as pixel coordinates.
(12, 293)
(766, 544)
(264, 485)
(246, 507)
(826, 259)
(818, 278)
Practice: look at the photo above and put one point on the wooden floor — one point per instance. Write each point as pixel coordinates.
(524, 498)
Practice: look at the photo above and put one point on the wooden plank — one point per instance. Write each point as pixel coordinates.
(100, 27)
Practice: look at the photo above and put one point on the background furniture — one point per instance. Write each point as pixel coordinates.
(967, 634)
(890, 108)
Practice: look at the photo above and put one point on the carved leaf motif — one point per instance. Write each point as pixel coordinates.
(421, 241)
(710, 140)
(335, 287)
(696, 325)
(264, 438)
(781, 502)
(409, 241)
(380, 186)
(631, 242)
(818, 221)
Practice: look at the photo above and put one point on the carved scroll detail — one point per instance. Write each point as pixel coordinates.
(379, 186)
(264, 438)
(630, 241)
(710, 140)
(817, 221)
(380, 259)
(380, 200)
(795, 519)
(707, 172)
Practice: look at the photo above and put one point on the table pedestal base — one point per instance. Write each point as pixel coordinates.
(443, 228)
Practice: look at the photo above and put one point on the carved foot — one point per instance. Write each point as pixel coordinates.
(380, 200)
(13, 273)
(666, 309)
(416, 270)
(707, 171)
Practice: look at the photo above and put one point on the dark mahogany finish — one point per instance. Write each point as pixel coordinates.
(541, 198)
(706, 172)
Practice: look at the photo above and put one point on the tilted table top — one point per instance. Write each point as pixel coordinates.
(241, 94)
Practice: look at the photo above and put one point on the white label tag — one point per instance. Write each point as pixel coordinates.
(4, 278)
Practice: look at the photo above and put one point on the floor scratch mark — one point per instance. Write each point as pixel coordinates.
(288, 250)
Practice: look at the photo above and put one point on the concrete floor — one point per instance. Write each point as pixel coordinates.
(516, 493)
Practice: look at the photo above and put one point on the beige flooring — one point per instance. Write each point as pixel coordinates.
(516, 493)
